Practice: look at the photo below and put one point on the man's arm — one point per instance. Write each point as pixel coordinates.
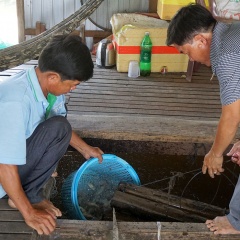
(227, 128)
(86, 150)
(40, 220)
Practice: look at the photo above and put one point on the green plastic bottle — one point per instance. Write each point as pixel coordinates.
(145, 56)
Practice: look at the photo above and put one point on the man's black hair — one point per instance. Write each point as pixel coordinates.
(68, 56)
(188, 22)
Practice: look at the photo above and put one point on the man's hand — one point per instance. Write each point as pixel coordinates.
(212, 164)
(42, 221)
(235, 153)
(86, 150)
(40, 216)
(93, 152)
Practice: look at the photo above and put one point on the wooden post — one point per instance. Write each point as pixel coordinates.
(82, 32)
(42, 27)
(21, 20)
(38, 28)
(152, 6)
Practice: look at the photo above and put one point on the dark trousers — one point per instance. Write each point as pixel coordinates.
(234, 207)
(45, 147)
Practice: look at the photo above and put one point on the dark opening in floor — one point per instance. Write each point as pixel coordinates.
(171, 167)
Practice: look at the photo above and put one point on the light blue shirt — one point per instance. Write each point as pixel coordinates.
(23, 108)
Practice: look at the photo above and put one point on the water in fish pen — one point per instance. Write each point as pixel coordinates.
(171, 167)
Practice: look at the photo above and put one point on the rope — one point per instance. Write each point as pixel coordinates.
(193, 157)
(168, 178)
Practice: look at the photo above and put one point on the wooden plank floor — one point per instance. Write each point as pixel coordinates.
(160, 107)
(112, 106)
(157, 108)
(12, 227)
(114, 94)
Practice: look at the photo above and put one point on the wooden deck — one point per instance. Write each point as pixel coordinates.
(13, 227)
(156, 108)
(112, 106)
(161, 107)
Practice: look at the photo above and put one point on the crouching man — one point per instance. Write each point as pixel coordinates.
(35, 132)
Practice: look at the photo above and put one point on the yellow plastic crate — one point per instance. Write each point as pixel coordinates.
(166, 9)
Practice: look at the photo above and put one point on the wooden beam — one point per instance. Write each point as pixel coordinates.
(30, 31)
(156, 204)
(78, 229)
(9, 236)
(40, 28)
(152, 6)
(94, 33)
(14, 227)
(97, 35)
(21, 20)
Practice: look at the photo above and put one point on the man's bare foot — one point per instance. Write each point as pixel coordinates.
(221, 225)
(44, 205)
(54, 174)
(11, 203)
(48, 206)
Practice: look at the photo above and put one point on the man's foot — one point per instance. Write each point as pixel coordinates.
(54, 174)
(48, 206)
(221, 225)
(11, 204)
(43, 205)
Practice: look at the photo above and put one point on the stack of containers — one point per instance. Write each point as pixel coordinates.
(128, 32)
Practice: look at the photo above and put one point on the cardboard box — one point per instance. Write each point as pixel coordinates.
(166, 9)
(127, 40)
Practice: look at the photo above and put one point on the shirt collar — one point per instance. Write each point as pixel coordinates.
(33, 80)
(216, 44)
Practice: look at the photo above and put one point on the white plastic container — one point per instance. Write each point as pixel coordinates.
(133, 69)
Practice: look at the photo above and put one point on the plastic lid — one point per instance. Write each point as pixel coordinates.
(146, 33)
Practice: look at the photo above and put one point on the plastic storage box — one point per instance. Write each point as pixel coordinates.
(128, 32)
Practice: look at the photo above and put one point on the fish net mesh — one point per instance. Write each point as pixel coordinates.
(96, 187)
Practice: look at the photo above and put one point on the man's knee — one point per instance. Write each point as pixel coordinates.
(59, 125)
(57, 128)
